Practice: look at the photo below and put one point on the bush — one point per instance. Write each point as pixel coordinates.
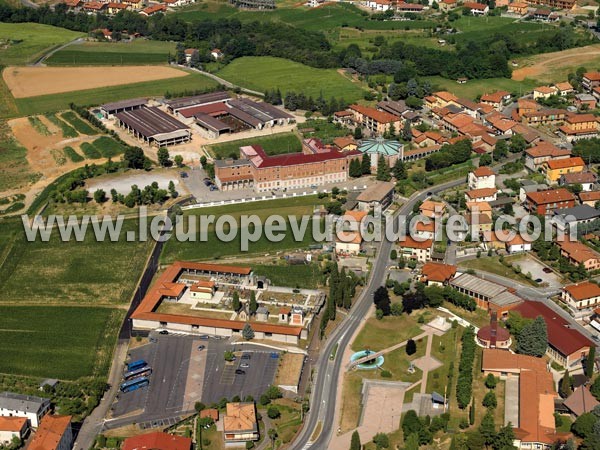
(264, 400)
(273, 412)
(489, 400)
(490, 381)
(464, 384)
(386, 374)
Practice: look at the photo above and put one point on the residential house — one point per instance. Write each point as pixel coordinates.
(73, 5)
(496, 99)
(545, 116)
(440, 99)
(18, 405)
(546, 202)
(579, 253)
(153, 9)
(454, 122)
(554, 169)
(409, 7)
(518, 8)
(448, 5)
(590, 80)
(579, 126)
(398, 108)
(575, 218)
(190, 53)
(239, 423)
(379, 5)
(164, 441)
(482, 177)
(585, 179)
(424, 229)
(581, 401)
(373, 121)
(516, 243)
(134, 4)
(13, 427)
(589, 198)
(54, 433)
(530, 187)
(114, 7)
(477, 9)
(479, 224)
(433, 210)
(94, 7)
(437, 274)
(581, 299)
(535, 157)
(545, 15)
(566, 345)
(564, 88)
(348, 243)
(345, 144)
(544, 92)
(413, 249)
(481, 195)
(216, 54)
(380, 194)
(585, 101)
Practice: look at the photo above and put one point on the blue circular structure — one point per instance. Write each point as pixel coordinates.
(380, 146)
(371, 364)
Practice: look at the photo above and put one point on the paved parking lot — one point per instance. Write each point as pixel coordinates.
(529, 264)
(220, 379)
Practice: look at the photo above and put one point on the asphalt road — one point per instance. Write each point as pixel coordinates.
(323, 401)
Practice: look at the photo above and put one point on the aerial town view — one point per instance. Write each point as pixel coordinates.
(278, 224)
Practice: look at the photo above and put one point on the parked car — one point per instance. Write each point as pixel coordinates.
(204, 337)
(244, 365)
(246, 356)
(163, 332)
(538, 280)
(547, 270)
(213, 187)
(240, 372)
(183, 174)
(207, 182)
(274, 355)
(201, 347)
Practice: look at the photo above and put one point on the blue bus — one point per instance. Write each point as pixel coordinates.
(135, 365)
(143, 372)
(134, 384)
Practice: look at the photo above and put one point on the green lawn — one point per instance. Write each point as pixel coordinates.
(58, 102)
(213, 248)
(264, 72)
(304, 276)
(473, 88)
(379, 334)
(69, 273)
(140, 51)
(57, 341)
(24, 42)
(274, 144)
(493, 265)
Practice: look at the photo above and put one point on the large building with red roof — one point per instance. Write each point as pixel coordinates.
(180, 277)
(157, 441)
(566, 345)
(54, 433)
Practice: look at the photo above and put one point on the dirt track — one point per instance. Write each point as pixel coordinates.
(33, 81)
(541, 65)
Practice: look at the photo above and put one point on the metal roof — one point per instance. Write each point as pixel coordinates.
(478, 285)
(150, 121)
(506, 298)
(19, 402)
(108, 107)
(380, 146)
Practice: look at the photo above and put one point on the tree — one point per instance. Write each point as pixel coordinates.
(247, 332)
(393, 255)
(472, 414)
(584, 425)
(485, 160)
(100, 196)
(235, 301)
(517, 143)
(399, 169)
(163, 157)
(504, 438)
(252, 306)
(564, 388)
(358, 133)
(490, 381)
(381, 298)
(355, 441)
(406, 131)
(411, 347)
(500, 150)
(365, 164)
(489, 400)
(199, 406)
(134, 158)
(172, 191)
(595, 388)
(411, 423)
(383, 170)
(381, 440)
(272, 436)
(589, 362)
(533, 338)
(355, 169)
(178, 160)
(273, 412)
(487, 428)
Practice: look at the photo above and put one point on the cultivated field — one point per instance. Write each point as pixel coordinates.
(272, 144)
(86, 273)
(56, 341)
(554, 67)
(139, 51)
(263, 72)
(473, 88)
(34, 81)
(58, 102)
(22, 43)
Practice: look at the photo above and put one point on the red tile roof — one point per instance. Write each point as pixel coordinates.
(580, 118)
(495, 97)
(14, 424)
(409, 242)
(545, 148)
(438, 272)
(483, 171)
(481, 193)
(550, 196)
(50, 432)
(575, 161)
(592, 76)
(157, 441)
(560, 334)
(589, 196)
(583, 290)
(375, 114)
(472, 5)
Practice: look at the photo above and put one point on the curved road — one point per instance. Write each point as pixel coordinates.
(323, 400)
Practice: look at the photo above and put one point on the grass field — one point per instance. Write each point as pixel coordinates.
(56, 341)
(213, 248)
(264, 72)
(67, 130)
(90, 151)
(493, 265)
(68, 273)
(525, 31)
(58, 102)
(473, 88)
(72, 154)
(78, 123)
(379, 334)
(15, 171)
(274, 144)
(304, 276)
(24, 42)
(138, 52)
